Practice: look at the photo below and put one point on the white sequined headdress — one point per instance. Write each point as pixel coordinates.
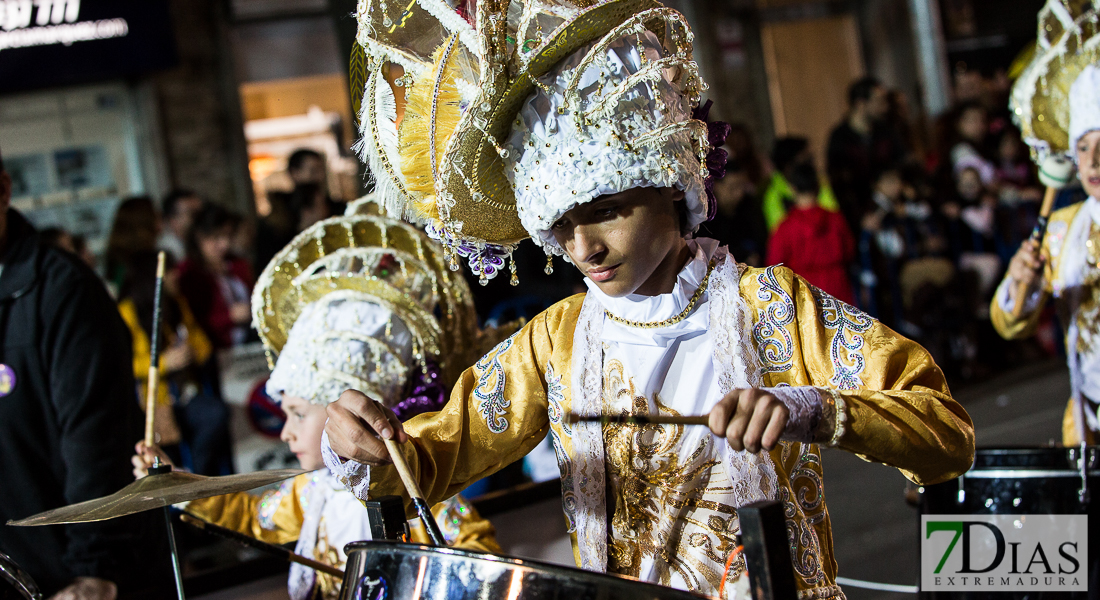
(609, 118)
(345, 340)
(495, 103)
(362, 301)
(1084, 104)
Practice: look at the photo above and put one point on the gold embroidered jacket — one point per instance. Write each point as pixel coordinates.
(893, 407)
(1011, 327)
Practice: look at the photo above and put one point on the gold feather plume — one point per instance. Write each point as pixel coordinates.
(432, 112)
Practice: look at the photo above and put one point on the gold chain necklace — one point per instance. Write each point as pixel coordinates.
(671, 320)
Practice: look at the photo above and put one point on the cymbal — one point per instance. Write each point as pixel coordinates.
(155, 491)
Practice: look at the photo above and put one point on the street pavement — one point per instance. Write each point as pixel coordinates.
(875, 532)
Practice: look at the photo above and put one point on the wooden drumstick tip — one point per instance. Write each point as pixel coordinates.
(154, 358)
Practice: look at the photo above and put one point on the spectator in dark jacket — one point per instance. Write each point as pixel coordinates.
(67, 415)
(862, 145)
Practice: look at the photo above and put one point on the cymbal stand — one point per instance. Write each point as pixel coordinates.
(158, 468)
(1083, 494)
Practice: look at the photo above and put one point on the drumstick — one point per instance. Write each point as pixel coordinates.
(1054, 173)
(252, 542)
(154, 358)
(573, 419)
(417, 496)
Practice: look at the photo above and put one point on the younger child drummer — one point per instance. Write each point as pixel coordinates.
(603, 165)
(373, 311)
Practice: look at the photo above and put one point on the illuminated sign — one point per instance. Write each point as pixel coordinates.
(58, 42)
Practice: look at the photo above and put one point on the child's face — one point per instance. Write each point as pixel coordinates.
(1010, 148)
(1088, 162)
(890, 185)
(972, 125)
(305, 423)
(969, 185)
(619, 241)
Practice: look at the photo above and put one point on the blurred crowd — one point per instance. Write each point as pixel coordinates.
(212, 255)
(916, 232)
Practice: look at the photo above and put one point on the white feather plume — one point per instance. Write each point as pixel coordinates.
(377, 146)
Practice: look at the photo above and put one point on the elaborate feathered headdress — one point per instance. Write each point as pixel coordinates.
(521, 109)
(1051, 101)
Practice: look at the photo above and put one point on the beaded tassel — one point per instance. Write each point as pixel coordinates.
(549, 270)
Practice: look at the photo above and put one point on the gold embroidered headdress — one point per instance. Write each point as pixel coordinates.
(1051, 87)
(597, 94)
(364, 300)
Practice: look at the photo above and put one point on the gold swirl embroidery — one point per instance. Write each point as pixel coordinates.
(326, 587)
(667, 508)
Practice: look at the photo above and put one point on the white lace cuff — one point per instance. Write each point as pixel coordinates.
(804, 405)
(834, 417)
(354, 475)
(1006, 296)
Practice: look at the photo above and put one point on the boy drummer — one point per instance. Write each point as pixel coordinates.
(603, 162)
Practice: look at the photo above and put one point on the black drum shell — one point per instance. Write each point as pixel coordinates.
(1010, 481)
(453, 574)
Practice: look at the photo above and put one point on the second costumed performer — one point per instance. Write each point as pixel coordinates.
(572, 123)
(1056, 101)
(351, 302)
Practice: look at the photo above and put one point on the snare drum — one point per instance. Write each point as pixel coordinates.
(1021, 481)
(384, 570)
(15, 583)
(1005, 481)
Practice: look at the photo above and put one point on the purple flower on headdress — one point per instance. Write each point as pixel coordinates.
(485, 260)
(717, 132)
(426, 392)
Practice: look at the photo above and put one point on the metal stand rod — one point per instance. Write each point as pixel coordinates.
(1083, 493)
(174, 553)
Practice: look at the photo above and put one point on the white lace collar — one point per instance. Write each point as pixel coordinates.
(637, 307)
(1073, 264)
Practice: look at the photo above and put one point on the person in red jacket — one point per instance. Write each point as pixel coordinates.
(815, 243)
(217, 286)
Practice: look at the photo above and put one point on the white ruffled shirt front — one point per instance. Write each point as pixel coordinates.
(671, 370)
(674, 361)
(677, 362)
(332, 518)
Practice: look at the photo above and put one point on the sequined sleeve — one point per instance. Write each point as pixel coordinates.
(884, 398)
(496, 414)
(461, 526)
(275, 517)
(1010, 326)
